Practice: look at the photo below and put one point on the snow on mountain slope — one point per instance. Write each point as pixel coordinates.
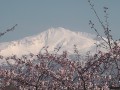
(54, 38)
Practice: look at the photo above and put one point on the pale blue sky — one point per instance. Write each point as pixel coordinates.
(35, 16)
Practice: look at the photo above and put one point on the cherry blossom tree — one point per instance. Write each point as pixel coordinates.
(53, 71)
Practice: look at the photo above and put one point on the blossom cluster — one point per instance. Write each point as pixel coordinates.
(46, 71)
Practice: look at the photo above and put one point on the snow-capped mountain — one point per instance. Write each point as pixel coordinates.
(53, 38)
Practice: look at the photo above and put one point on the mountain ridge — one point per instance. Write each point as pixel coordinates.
(54, 38)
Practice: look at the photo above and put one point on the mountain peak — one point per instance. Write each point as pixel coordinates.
(61, 29)
(54, 38)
